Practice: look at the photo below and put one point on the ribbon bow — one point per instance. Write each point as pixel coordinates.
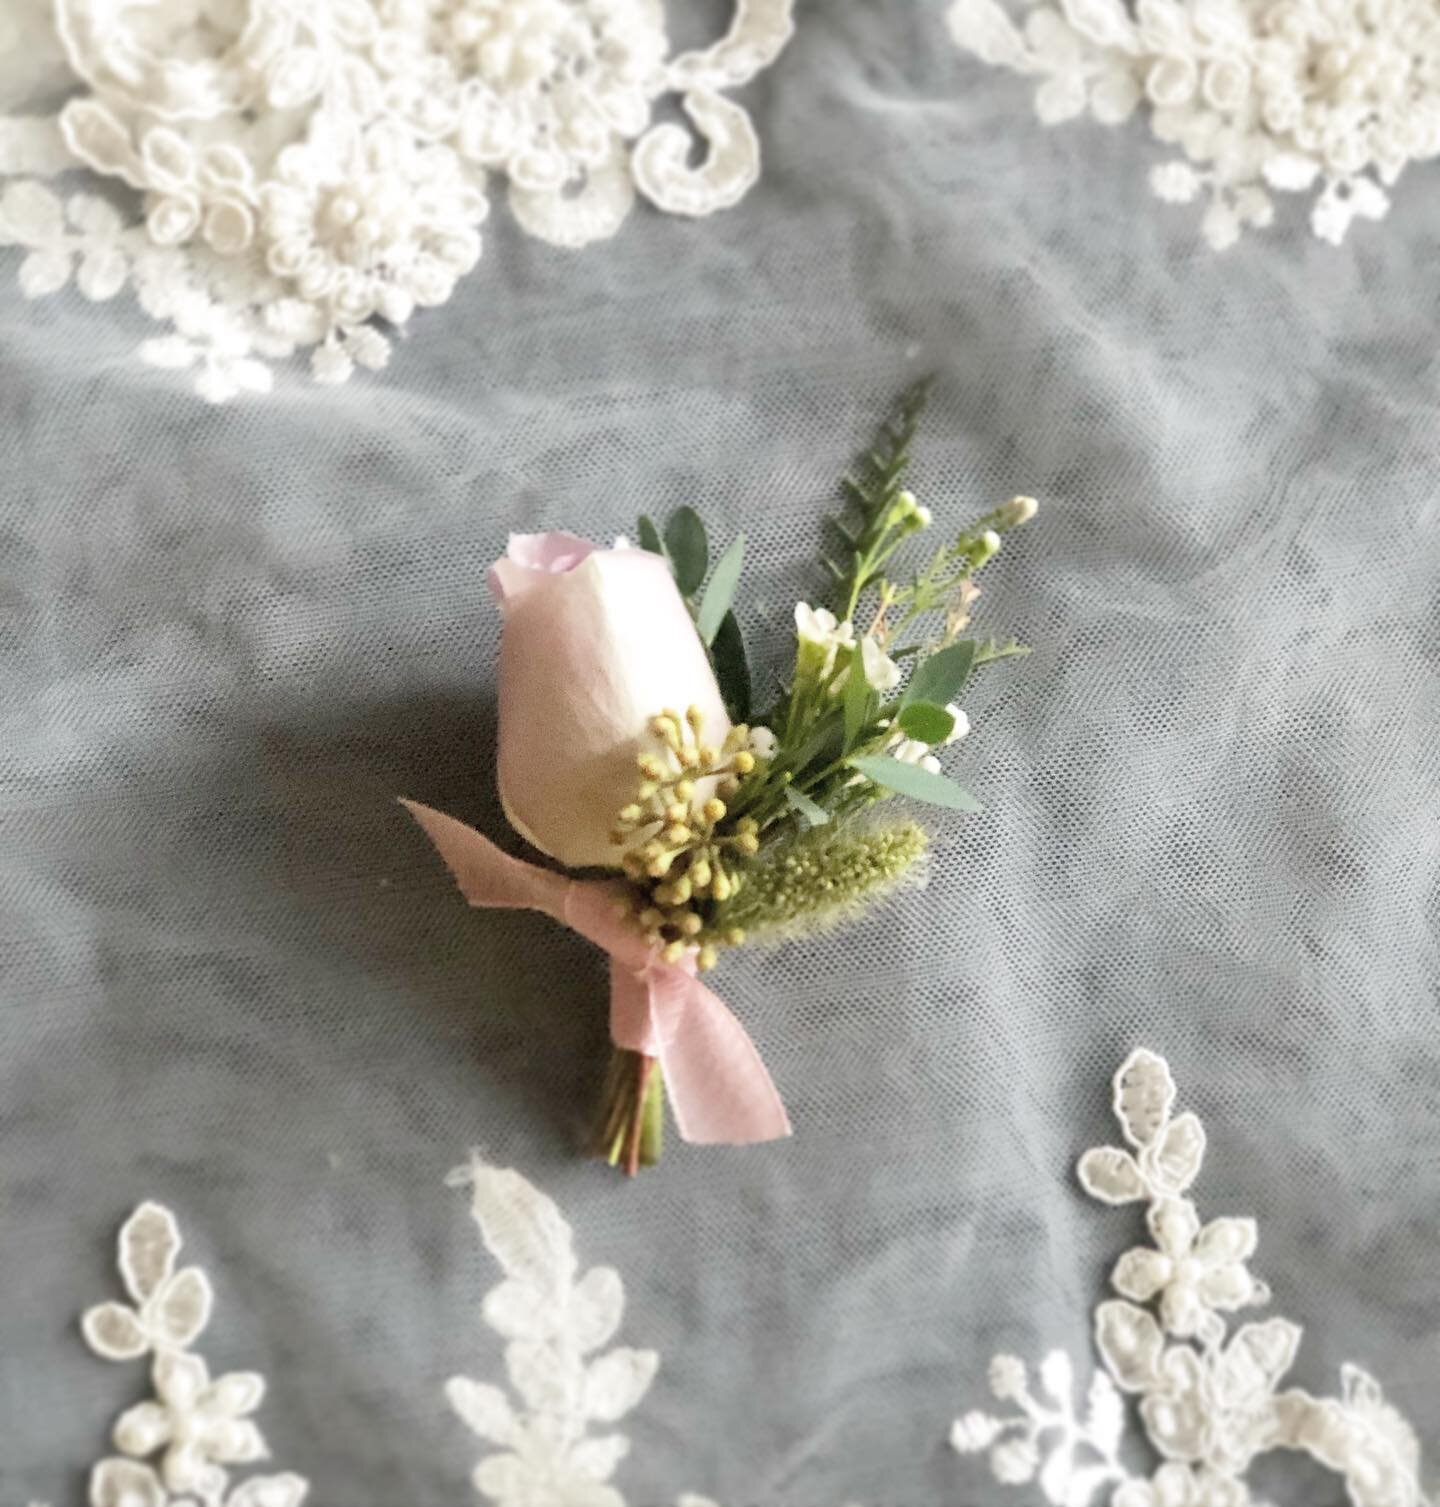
(718, 1086)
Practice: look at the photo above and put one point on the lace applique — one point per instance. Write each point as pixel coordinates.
(554, 1320)
(1260, 96)
(306, 171)
(1209, 1399)
(174, 1448)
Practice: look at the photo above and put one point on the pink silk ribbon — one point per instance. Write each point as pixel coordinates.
(719, 1089)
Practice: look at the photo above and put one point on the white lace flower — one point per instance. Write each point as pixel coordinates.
(389, 226)
(557, 82)
(1209, 1409)
(1176, 1485)
(298, 170)
(1258, 96)
(1365, 1439)
(200, 1424)
(1218, 1407)
(128, 1483)
(1193, 1271)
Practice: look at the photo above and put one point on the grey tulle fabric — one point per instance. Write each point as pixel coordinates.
(235, 979)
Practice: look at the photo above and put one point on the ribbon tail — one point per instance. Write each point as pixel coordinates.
(719, 1088)
(486, 876)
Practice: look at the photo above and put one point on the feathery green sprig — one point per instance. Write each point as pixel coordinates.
(823, 877)
(875, 520)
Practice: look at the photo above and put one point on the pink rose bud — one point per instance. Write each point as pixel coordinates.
(596, 642)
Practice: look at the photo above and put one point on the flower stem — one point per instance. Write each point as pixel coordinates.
(629, 1130)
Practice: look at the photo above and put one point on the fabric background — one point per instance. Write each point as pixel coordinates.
(235, 978)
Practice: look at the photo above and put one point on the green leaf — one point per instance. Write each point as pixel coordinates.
(721, 590)
(942, 676)
(926, 721)
(649, 535)
(732, 672)
(919, 784)
(689, 553)
(861, 703)
(824, 744)
(811, 814)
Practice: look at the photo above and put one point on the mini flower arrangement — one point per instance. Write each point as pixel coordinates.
(628, 743)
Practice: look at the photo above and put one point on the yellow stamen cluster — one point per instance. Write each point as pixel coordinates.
(681, 843)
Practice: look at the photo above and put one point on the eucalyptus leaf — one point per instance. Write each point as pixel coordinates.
(861, 705)
(925, 721)
(811, 814)
(688, 549)
(919, 784)
(732, 672)
(941, 676)
(649, 535)
(721, 590)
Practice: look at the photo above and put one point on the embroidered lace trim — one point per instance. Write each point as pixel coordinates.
(1331, 97)
(305, 176)
(1209, 1398)
(174, 1449)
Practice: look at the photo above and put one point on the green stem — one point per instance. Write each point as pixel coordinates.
(652, 1131)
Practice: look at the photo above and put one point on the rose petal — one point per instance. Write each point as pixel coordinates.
(530, 555)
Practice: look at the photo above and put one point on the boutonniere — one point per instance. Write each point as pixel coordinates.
(628, 750)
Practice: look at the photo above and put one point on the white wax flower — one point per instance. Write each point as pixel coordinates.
(912, 751)
(821, 636)
(880, 670)
(962, 724)
(817, 625)
(763, 743)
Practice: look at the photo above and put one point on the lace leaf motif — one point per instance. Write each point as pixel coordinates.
(1209, 1400)
(307, 177)
(554, 1319)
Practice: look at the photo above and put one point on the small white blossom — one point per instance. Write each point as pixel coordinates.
(763, 743)
(817, 625)
(880, 670)
(912, 751)
(962, 724)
